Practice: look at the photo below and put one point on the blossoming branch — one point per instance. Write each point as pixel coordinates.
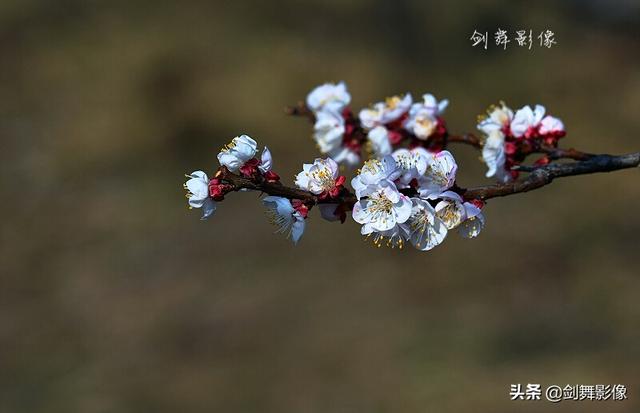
(405, 190)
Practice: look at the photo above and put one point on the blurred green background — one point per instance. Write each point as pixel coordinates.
(115, 298)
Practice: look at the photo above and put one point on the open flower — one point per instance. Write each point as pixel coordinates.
(412, 164)
(372, 172)
(424, 229)
(287, 216)
(379, 139)
(235, 154)
(385, 112)
(239, 156)
(382, 209)
(493, 154)
(321, 178)
(423, 118)
(474, 222)
(431, 104)
(439, 176)
(451, 209)
(421, 123)
(328, 130)
(198, 193)
(498, 119)
(329, 96)
(526, 121)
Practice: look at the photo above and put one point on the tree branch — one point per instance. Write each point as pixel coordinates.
(538, 177)
(544, 175)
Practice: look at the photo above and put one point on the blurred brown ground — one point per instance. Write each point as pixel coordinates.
(115, 298)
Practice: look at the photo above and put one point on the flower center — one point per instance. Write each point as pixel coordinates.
(419, 222)
(392, 102)
(229, 146)
(422, 224)
(380, 204)
(450, 215)
(324, 178)
(427, 124)
(407, 161)
(329, 98)
(437, 175)
(371, 165)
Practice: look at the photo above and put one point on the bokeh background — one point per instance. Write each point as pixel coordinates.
(115, 298)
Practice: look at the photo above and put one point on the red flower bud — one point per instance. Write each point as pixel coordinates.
(300, 207)
(250, 168)
(395, 137)
(271, 176)
(510, 148)
(542, 161)
(478, 203)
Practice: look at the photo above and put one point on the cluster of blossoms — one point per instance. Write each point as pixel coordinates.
(377, 129)
(407, 196)
(510, 138)
(405, 192)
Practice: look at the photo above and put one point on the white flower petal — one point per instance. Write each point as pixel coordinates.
(297, 228)
(550, 124)
(493, 153)
(471, 227)
(329, 95)
(265, 160)
(361, 212)
(379, 138)
(208, 208)
(403, 209)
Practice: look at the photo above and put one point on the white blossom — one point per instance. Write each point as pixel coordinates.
(382, 208)
(385, 112)
(379, 139)
(318, 177)
(549, 124)
(329, 96)
(242, 149)
(525, 119)
(266, 161)
(424, 229)
(198, 193)
(285, 217)
(474, 222)
(394, 237)
(235, 154)
(372, 172)
(430, 103)
(439, 176)
(412, 164)
(499, 117)
(422, 121)
(328, 130)
(451, 209)
(493, 154)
